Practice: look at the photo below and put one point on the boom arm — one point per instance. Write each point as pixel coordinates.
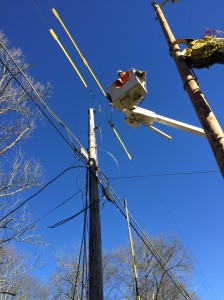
(138, 115)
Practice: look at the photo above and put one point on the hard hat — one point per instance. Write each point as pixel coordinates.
(119, 71)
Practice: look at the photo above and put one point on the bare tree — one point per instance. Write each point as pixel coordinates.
(14, 267)
(31, 288)
(119, 283)
(154, 281)
(66, 281)
(18, 116)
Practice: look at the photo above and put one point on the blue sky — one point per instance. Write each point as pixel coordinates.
(115, 35)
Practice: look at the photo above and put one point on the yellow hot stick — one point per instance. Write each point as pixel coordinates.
(114, 130)
(68, 57)
(79, 52)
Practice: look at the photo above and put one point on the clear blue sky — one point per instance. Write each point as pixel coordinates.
(116, 35)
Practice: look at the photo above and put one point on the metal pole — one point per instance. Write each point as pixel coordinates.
(208, 121)
(132, 252)
(95, 248)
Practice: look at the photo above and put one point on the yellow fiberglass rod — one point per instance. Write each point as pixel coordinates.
(90, 70)
(79, 52)
(119, 139)
(68, 57)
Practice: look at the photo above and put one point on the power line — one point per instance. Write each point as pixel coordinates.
(83, 246)
(175, 223)
(37, 104)
(40, 13)
(59, 205)
(38, 192)
(84, 209)
(74, 148)
(153, 250)
(164, 174)
(168, 272)
(75, 215)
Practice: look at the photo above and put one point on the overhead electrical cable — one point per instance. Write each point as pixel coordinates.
(38, 192)
(82, 252)
(40, 13)
(163, 174)
(158, 204)
(153, 251)
(144, 238)
(34, 223)
(39, 107)
(58, 206)
(75, 215)
(74, 148)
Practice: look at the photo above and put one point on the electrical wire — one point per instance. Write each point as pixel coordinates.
(72, 146)
(37, 104)
(38, 192)
(169, 212)
(83, 210)
(40, 13)
(36, 93)
(159, 257)
(83, 247)
(116, 161)
(163, 174)
(85, 234)
(153, 250)
(75, 215)
(58, 206)
(200, 274)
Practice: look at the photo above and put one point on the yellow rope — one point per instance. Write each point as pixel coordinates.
(68, 57)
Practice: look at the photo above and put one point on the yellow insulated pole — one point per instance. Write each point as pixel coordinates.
(132, 252)
(68, 57)
(79, 52)
(119, 139)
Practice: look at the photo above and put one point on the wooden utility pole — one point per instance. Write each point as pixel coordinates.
(208, 121)
(95, 248)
